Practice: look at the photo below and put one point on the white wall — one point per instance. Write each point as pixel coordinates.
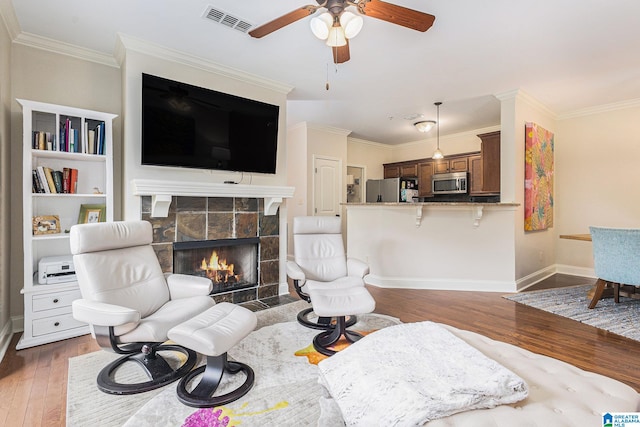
(138, 57)
(598, 170)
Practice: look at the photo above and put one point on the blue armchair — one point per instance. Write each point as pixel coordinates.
(616, 259)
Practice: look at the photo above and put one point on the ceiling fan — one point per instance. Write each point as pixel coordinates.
(334, 19)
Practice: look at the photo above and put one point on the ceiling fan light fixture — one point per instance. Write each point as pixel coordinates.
(320, 25)
(351, 23)
(425, 125)
(336, 37)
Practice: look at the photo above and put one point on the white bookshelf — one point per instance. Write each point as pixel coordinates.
(47, 307)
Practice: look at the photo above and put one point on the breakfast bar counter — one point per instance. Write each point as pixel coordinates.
(435, 245)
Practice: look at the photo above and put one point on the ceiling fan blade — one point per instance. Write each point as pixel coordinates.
(341, 53)
(283, 21)
(395, 14)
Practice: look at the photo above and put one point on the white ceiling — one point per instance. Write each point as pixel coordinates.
(567, 54)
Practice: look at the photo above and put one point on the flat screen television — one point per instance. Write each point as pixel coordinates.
(193, 127)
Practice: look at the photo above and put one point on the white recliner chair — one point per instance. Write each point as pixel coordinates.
(131, 304)
(320, 263)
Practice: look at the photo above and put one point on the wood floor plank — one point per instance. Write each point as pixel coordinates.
(33, 382)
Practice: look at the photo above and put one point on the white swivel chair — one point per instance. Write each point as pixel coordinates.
(130, 304)
(320, 263)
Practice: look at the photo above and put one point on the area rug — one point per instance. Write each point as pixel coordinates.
(286, 386)
(572, 302)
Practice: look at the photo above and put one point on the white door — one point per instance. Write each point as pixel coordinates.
(327, 186)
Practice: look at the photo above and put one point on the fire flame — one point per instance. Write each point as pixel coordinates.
(217, 269)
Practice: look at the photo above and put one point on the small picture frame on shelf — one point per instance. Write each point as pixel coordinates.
(92, 213)
(46, 224)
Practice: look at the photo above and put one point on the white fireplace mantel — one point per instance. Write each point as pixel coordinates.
(162, 191)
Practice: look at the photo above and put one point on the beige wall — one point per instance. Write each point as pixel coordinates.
(534, 251)
(45, 76)
(463, 142)
(370, 155)
(5, 184)
(598, 168)
(296, 175)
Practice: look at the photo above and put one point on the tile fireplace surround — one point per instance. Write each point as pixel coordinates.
(212, 218)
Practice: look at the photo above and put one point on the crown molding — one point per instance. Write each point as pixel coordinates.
(329, 129)
(523, 96)
(599, 109)
(125, 43)
(56, 46)
(351, 140)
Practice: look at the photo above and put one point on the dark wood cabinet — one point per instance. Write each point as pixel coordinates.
(475, 175)
(391, 171)
(407, 169)
(483, 168)
(490, 152)
(451, 164)
(425, 172)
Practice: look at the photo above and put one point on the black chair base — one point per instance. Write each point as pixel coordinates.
(202, 394)
(326, 339)
(154, 365)
(323, 323)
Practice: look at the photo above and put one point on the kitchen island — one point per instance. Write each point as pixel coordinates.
(435, 245)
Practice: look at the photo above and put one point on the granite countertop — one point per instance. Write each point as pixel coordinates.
(403, 204)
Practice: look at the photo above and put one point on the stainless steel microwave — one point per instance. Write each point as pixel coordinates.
(449, 183)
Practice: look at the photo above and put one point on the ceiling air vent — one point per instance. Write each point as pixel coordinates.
(226, 19)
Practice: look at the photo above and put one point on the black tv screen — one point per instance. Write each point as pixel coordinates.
(193, 127)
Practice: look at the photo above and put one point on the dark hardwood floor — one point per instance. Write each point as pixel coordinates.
(33, 381)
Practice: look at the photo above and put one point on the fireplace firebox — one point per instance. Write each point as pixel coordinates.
(231, 264)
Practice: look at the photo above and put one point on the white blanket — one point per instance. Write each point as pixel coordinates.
(409, 374)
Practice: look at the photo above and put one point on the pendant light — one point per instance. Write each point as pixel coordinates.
(437, 155)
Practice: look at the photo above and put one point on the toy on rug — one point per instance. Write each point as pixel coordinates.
(207, 417)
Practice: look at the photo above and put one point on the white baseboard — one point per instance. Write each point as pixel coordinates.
(440, 284)
(535, 277)
(477, 285)
(575, 271)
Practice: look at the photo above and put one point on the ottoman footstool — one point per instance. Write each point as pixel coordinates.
(213, 333)
(339, 303)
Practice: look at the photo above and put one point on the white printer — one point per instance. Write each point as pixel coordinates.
(56, 269)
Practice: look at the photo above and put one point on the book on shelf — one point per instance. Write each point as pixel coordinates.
(92, 141)
(57, 180)
(49, 176)
(62, 182)
(73, 181)
(43, 179)
(37, 185)
(66, 180)
(43, 141)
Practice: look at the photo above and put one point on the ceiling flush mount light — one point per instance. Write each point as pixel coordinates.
(437, 155)
(336, 29)
(425, 125)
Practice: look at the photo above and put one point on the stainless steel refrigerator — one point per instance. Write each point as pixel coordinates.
(392, 190)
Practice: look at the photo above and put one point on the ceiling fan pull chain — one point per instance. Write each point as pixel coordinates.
(327, 85)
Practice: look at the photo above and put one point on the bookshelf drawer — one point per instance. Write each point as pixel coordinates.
(53, 324)
(55, 300)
